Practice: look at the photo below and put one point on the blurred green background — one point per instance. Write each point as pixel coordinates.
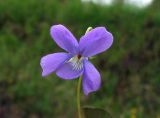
(130, 69)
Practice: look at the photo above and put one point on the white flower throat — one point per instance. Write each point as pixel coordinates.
(77, 62)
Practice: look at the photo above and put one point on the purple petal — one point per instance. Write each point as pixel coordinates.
(51, 62)
(64, 38)
(66, 71)
(95, 41)
(91, 78)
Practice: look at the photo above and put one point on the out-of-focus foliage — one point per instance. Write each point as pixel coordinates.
(130, 69)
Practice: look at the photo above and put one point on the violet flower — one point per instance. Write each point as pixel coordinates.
(76, 62)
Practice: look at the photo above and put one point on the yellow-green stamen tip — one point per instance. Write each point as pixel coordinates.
(89, 29)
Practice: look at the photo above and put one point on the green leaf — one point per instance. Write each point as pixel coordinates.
(92, 112)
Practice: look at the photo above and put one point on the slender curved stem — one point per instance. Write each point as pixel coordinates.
(78, 97)
(79, 87)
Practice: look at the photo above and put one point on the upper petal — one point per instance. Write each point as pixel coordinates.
(51, 62)
(95, 41)
(67, 71)
(91, 78)
(64, 38)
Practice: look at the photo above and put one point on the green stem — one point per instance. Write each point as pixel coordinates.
(78, 97)
(79, 88)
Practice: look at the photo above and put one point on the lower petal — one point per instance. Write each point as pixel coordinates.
(91, 78)
(51, 62)
(67, 71)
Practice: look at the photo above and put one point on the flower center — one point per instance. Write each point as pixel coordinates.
(77, 62)
(79, 56)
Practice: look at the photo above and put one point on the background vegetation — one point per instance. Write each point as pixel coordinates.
(130, 69)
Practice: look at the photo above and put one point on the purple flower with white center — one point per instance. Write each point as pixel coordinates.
(76, 62)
